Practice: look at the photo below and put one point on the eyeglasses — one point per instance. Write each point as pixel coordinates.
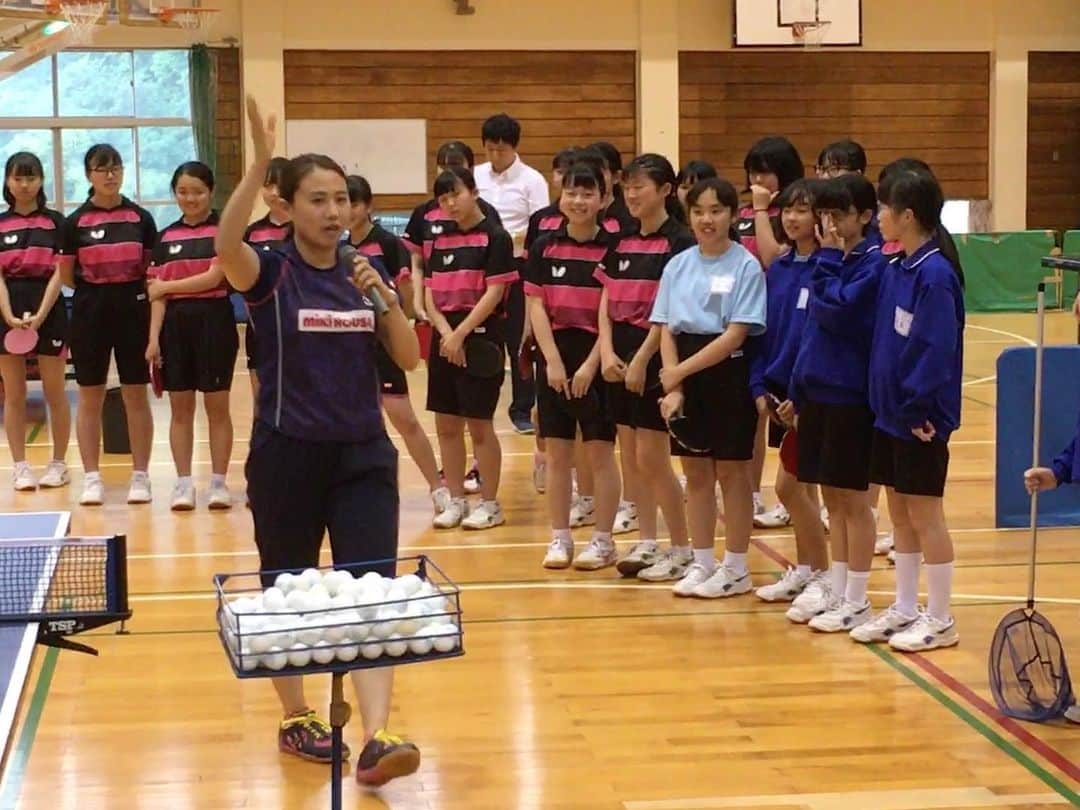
(109, 171)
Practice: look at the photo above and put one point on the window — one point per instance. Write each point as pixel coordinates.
(139, 101)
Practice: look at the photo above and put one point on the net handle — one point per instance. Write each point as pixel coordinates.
(1036, 430)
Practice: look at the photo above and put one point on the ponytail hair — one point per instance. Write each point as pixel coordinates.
(916, 189)
(660, 172)
(24, 164)
(726, 195)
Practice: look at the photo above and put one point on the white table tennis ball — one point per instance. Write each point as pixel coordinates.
(323, 653)
(396, 596)
(341, 603)
(275, 659)
(350, 587)
(334, 634)
(310, 578)
(299, 655)
(248, 661)
(348, 652)
(395, 646)
(336, 581)
(260, 643)
(371, 650)
(385, 623)
(444, 638)
(373, 581)
(274, 600)
(319, 592)
(298, 601)
(421, 643)
(367, 602)
(408, 624)
(358, 631)
(410, 584)
(285, 582)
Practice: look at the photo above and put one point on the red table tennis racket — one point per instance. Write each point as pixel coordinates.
(22, 340)
(789, 452)
(156, 384)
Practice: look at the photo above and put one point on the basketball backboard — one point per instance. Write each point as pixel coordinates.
(783, 23)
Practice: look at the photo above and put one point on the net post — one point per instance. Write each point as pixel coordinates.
(116, 578)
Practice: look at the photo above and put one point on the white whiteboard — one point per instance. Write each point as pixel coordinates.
(391, 153)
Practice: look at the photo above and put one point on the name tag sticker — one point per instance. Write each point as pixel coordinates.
(328, 320)
(722, 285)
(902, 321)
(804, 298)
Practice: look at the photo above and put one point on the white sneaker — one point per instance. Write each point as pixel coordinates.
(891, 556)
(759, 505)
(825, 517)
(220, 498)
(472, 480)
(539, 476)
(670, 566)
(785, 589)
(93, 493)
(452, 515)
(817, 597)
(1072, 714)
(183, 497)
(626, 519)
(883, 545)
(696, 574)
(775, 518)
(139, 491)
(559, 554)
(639, 557)
(597, 554)
(724, 582)
(926, 633)
(487, 515)
(582, 512)
(440, 499)
(56, 475)
(23, 477)
(843, 618)
(883, 626)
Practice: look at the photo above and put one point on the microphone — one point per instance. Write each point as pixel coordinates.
(349, 254)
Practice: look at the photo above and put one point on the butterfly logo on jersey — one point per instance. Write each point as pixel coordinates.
(436, 229)
(624, 265)
(746, 225)
(558, 271)
(175, 249)
(99, 234)
(448, 259)
(11, 239)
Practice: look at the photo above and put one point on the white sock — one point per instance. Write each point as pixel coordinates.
(855, 590)
(803, 570)
(217, 480)
(93, 476)
(938, 589)
(705, 557)
(838, 574)
(623, 505)
(735, 561)
(492, 505)
(907, 581)
(562, 535)
(602, 537)
(140, 474)
(184, 480)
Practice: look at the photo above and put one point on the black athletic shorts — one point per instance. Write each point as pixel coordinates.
(198, 345)
(250, 344)
(627, 408)
(560, 418)
(110, 319)
(835, 443)
(392, 380)
(298, 489)
(25, 295)
(452, 390)
(910, 466)
(719, 404)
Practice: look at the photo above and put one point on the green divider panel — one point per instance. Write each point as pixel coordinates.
(1070, 246)
(1002, 270)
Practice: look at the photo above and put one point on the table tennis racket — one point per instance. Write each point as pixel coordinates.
(22, 340)
(686, 433)
(423, 337)
(483, 358)
(156, 384)
(789, 452)
(526, 359)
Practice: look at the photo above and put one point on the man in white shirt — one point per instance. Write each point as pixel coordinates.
(516, 191)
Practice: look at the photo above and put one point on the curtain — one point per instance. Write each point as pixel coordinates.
(203, 72)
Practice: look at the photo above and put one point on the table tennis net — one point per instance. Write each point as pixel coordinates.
(62, 577)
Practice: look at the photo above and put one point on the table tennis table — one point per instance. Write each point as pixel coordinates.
(17, 641)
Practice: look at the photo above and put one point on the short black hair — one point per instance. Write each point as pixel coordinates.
(846, 154)
(585, 175)
(844, 192)
(696, 170)
(726, 195)
(777, 155)
(359, 189)
(275, 170)
(24, 164)
(611, 155)
(564, 158)
(196, 169)
(501, 128)
(800, 192)
(448, 180)
(455, 153)
(904, 164)
(300, 167)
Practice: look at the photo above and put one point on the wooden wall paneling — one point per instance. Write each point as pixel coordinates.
(560, 97)
(930, 105)
(1053, 150)
(229, 117)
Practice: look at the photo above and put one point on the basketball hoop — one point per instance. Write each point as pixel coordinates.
(81, 15)
(810, 34)
(188, 18)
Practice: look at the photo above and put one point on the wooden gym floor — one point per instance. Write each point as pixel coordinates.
(578, 691)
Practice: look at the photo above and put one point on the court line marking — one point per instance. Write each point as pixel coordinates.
(917, 799)
(980, 380)
(1002, 332)
(12, 778)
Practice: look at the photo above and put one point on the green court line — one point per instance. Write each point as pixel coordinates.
(978, 725)
(20, 756)
(34, 431)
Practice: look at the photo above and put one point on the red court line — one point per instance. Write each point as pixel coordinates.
(772, 553)
(1047, 751)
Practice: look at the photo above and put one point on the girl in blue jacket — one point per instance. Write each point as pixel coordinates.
(916, 356)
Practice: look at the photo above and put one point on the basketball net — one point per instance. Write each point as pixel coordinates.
(810, 34)
(81, 15)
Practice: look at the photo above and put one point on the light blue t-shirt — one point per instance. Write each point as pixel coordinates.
(701, 295)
